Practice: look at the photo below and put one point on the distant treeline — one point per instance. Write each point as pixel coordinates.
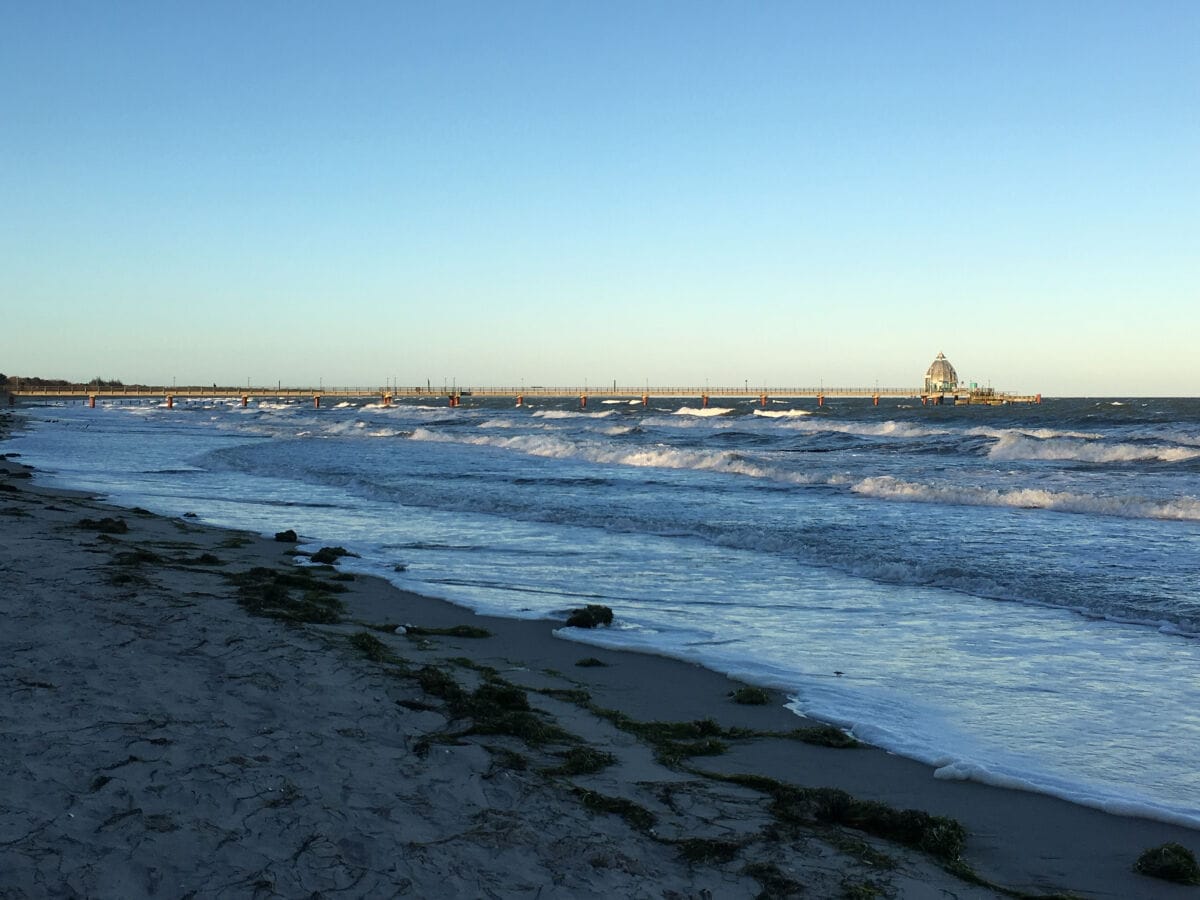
(34, 381)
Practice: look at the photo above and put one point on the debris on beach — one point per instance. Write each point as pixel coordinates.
(107, 525)
(330, 555)
(1170, 862)
(590, 616)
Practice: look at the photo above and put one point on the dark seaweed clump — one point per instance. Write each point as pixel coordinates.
(590, 616)
(824, 736)
(582, 761)
(637, 816)
(1170, 862)
(461, 631)
(286, 537)
(676, 741)
(330, 555)
(750, 696)
(496, 707)
(268, 592)
(370, 646)
(106, 525)
(938, 836)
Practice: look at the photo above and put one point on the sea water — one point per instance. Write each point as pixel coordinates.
(1011, 594)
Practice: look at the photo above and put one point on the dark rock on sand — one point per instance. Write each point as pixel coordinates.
(330, 555)
(590, 616)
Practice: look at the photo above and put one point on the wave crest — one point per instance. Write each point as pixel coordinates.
(782, 413)
(1016, 446)
(885, 487)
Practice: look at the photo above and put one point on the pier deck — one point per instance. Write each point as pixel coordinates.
(985, 396)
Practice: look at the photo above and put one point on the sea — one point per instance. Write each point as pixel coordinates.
(1009, 594)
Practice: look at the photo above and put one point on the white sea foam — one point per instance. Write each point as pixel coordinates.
(886, 487)
(889, 428)
(1016, 446)
(703, 412)
(984, 431)
(782, 413)
(570, 414)
(554, 447)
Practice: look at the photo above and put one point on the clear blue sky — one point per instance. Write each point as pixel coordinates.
(565, 191)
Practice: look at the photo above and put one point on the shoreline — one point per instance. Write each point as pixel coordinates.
(1024, 841)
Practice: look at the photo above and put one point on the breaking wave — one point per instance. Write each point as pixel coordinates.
(725, 461)
(881, 429)
(886, 487)
(703, 411)
(1017, 446)
(782, 413)
(570, 414)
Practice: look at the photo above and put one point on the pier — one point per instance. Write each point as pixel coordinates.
(453, 395)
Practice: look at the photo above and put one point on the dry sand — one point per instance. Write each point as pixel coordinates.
(156, 739)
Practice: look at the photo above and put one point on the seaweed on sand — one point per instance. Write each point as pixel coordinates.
(461, 631)
(496, 707)
(1170, 862)
(590, 616)
(330, 555)
(107, 525)
(637, 816)
(939, 836)
(750, 696)
(267, 592)
(582, 761)
(675, 741)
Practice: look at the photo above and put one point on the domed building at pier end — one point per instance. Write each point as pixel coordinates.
(940, 376)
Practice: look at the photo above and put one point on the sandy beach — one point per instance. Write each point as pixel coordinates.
(188, 713)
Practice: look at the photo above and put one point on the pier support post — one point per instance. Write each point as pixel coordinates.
(645, 399)
(170, 401)
(820, 400)
(91, 401)
(316, 401)
(704, 401)
(1039, 399)
(762, 400)
(245, 401)
(583, 401)
(875, 400)
(387, 399)
(520, 399)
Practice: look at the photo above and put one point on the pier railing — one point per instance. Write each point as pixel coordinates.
(389, 392)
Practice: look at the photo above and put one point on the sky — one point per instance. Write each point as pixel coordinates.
(566, 192)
